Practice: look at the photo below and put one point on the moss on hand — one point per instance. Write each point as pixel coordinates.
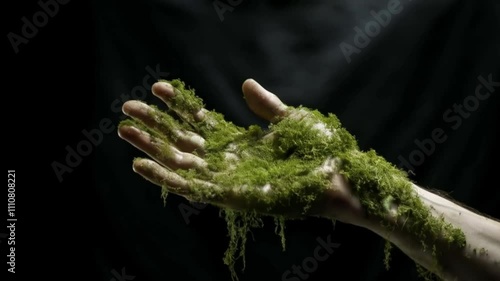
(185, 98)
(275, 173)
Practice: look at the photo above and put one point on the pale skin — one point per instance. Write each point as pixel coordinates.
(479, 260)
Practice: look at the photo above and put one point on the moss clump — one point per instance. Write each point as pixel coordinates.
(275, 172)
(186, 99)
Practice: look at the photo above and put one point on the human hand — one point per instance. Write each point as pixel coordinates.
(285, 171)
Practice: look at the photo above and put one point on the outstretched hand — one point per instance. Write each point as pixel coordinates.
(182, 145)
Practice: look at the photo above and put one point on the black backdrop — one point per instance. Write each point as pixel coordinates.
(101, 218)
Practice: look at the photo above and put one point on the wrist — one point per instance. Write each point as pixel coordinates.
(341, 204)
(394, 209)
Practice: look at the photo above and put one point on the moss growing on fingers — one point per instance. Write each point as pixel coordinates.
(184, 102)
(278, 172)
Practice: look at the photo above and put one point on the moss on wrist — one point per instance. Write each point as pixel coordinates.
(278, 173)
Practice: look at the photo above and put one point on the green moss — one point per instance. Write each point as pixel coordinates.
(425, 274)
(387, 254)
(166, 123)
(280, 230)
(186, 99)
(275, 175)
(238, 226)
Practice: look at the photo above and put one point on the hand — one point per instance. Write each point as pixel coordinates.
(188, 143)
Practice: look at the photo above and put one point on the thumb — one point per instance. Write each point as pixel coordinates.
(262, 102)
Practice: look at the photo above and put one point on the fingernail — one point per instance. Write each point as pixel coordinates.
(129, 105)
(162, 89)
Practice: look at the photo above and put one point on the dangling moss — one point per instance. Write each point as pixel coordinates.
(279, 229)
(238, 226)
(387, 254)
(275, 173)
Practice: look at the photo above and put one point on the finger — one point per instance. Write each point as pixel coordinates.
(193, 189)
(160, 176)
(262, 102)
(181, 138)
(159, 150)
(187, 106)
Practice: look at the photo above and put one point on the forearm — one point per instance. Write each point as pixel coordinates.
(441, 236)
(478, 260)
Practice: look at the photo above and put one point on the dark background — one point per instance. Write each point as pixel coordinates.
(102, 217)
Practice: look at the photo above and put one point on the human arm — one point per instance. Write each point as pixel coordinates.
(478, 260)
(381, 199)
